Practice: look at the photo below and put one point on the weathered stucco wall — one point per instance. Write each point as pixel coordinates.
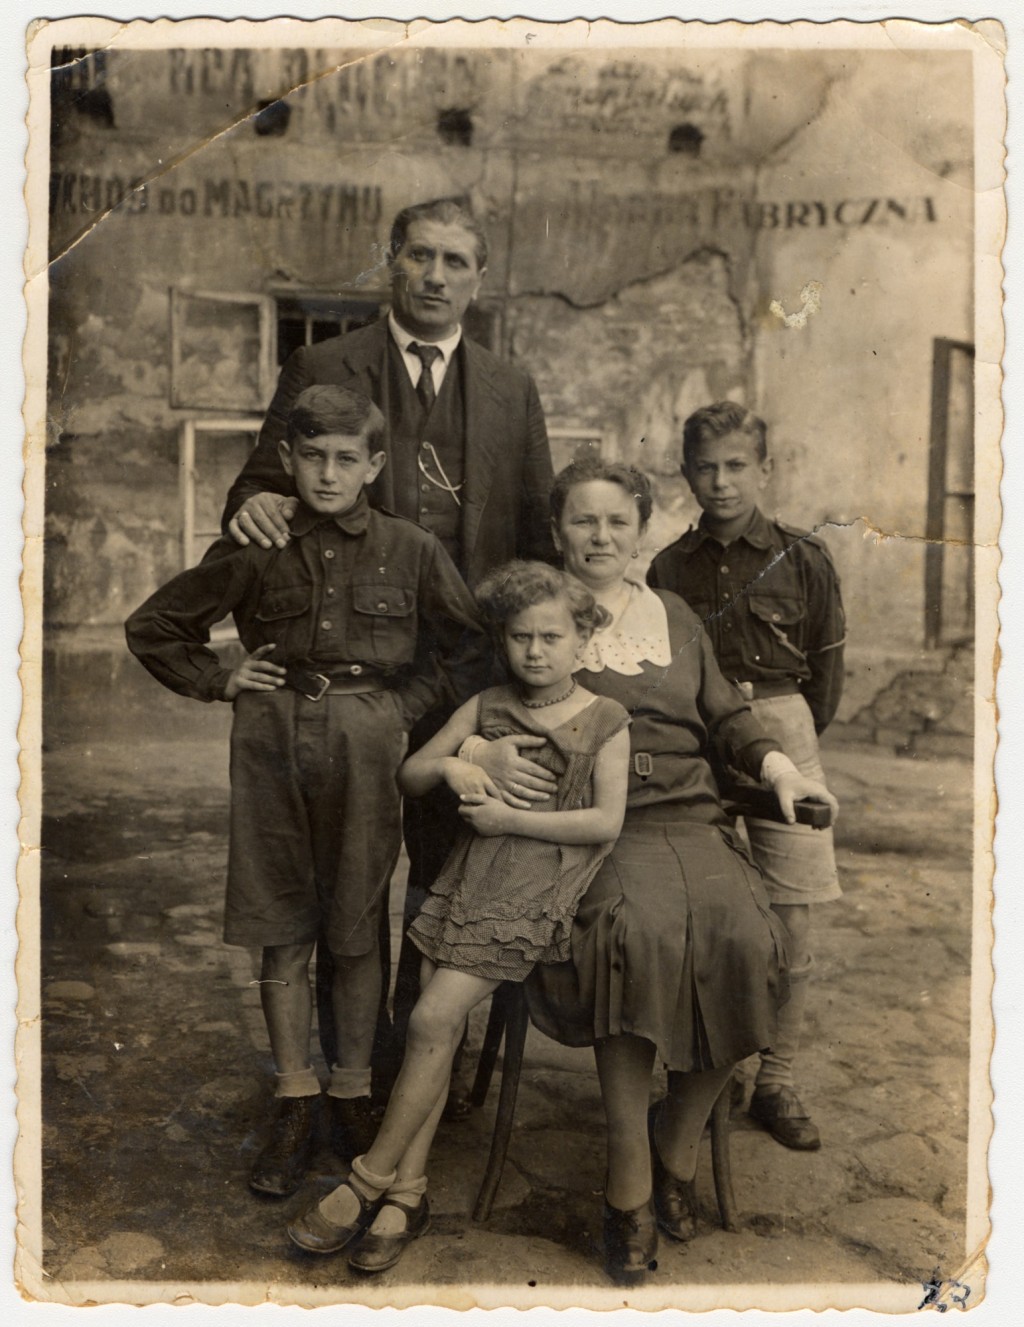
(634, 280)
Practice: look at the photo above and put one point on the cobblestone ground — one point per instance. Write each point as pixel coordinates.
(155, 1074)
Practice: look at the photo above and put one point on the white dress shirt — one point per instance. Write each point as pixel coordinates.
(412, 362)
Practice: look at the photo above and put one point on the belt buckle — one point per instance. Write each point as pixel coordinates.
(322, 690)
(746, 690)
(643, 764)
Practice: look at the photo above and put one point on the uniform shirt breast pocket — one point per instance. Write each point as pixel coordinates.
(383, 623)
(283, 616)
(783, 618)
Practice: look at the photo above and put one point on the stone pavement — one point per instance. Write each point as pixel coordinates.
(155, 1072)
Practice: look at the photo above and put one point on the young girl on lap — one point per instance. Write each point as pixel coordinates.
(507, 895)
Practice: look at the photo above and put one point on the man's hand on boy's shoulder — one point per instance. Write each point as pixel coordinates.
(264, 518)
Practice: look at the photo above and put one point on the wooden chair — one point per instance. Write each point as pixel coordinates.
(509, 1020)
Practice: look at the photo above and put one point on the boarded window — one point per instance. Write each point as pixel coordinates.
(221, 350)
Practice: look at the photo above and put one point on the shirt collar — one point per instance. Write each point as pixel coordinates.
(351, 522)
(757, 533)
(403, 339)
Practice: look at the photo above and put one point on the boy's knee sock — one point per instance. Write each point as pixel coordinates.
(777, 1064)
(301, 1083)
(348, 1083)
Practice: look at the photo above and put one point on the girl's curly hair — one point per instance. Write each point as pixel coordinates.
(517, 585)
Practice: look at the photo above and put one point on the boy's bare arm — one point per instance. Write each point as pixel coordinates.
(427, 767)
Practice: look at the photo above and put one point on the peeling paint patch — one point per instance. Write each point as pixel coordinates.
(810, 296)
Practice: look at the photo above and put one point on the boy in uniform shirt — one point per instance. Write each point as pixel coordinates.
(768, 596)
(353, 630)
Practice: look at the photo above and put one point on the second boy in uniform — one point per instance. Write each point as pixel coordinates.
(768, 596)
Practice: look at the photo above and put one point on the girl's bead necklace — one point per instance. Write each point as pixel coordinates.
(555, 700)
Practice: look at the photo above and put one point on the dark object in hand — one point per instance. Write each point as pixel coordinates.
(762, 804)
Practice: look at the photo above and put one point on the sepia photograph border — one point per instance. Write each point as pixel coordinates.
(990, 222)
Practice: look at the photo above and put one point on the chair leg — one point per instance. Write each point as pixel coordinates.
(516, 1024)
(488, 1057)
(721, 1162)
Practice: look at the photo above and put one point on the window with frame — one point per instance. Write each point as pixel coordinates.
(305, 317)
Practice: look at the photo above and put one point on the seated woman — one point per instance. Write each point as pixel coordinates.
(677, 954)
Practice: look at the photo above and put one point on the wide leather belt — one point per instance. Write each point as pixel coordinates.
(314, 682)
(762, 690)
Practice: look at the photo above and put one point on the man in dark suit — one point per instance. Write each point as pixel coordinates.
(467, 449)
(468, 458)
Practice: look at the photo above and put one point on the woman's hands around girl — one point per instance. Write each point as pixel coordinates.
(468, 782)
(516, 778)
(487, 815)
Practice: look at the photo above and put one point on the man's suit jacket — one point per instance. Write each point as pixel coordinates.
(507, 470)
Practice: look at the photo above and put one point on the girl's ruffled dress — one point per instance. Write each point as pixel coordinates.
(505, 903)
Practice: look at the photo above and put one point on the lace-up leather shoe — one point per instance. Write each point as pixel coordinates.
(630, 1242)
(281, 1167)
(783, 1115)
(675, 1201)
(353, 1126)
(312, 1231)
(376, 1253)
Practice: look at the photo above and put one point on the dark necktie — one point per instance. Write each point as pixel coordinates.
(425, 387)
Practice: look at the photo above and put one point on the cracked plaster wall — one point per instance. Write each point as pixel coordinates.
(633, 282)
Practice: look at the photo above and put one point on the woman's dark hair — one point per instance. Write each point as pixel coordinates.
(719, 420)
(518, 585)
(324, 409)
(628, 477)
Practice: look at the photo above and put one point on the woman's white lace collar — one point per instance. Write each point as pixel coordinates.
(638, 635)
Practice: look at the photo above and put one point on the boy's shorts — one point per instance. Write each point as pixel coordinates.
(315, 818)
(798, 862)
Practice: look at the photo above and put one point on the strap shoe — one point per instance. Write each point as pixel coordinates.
(312, 1231)
(376, 1253)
